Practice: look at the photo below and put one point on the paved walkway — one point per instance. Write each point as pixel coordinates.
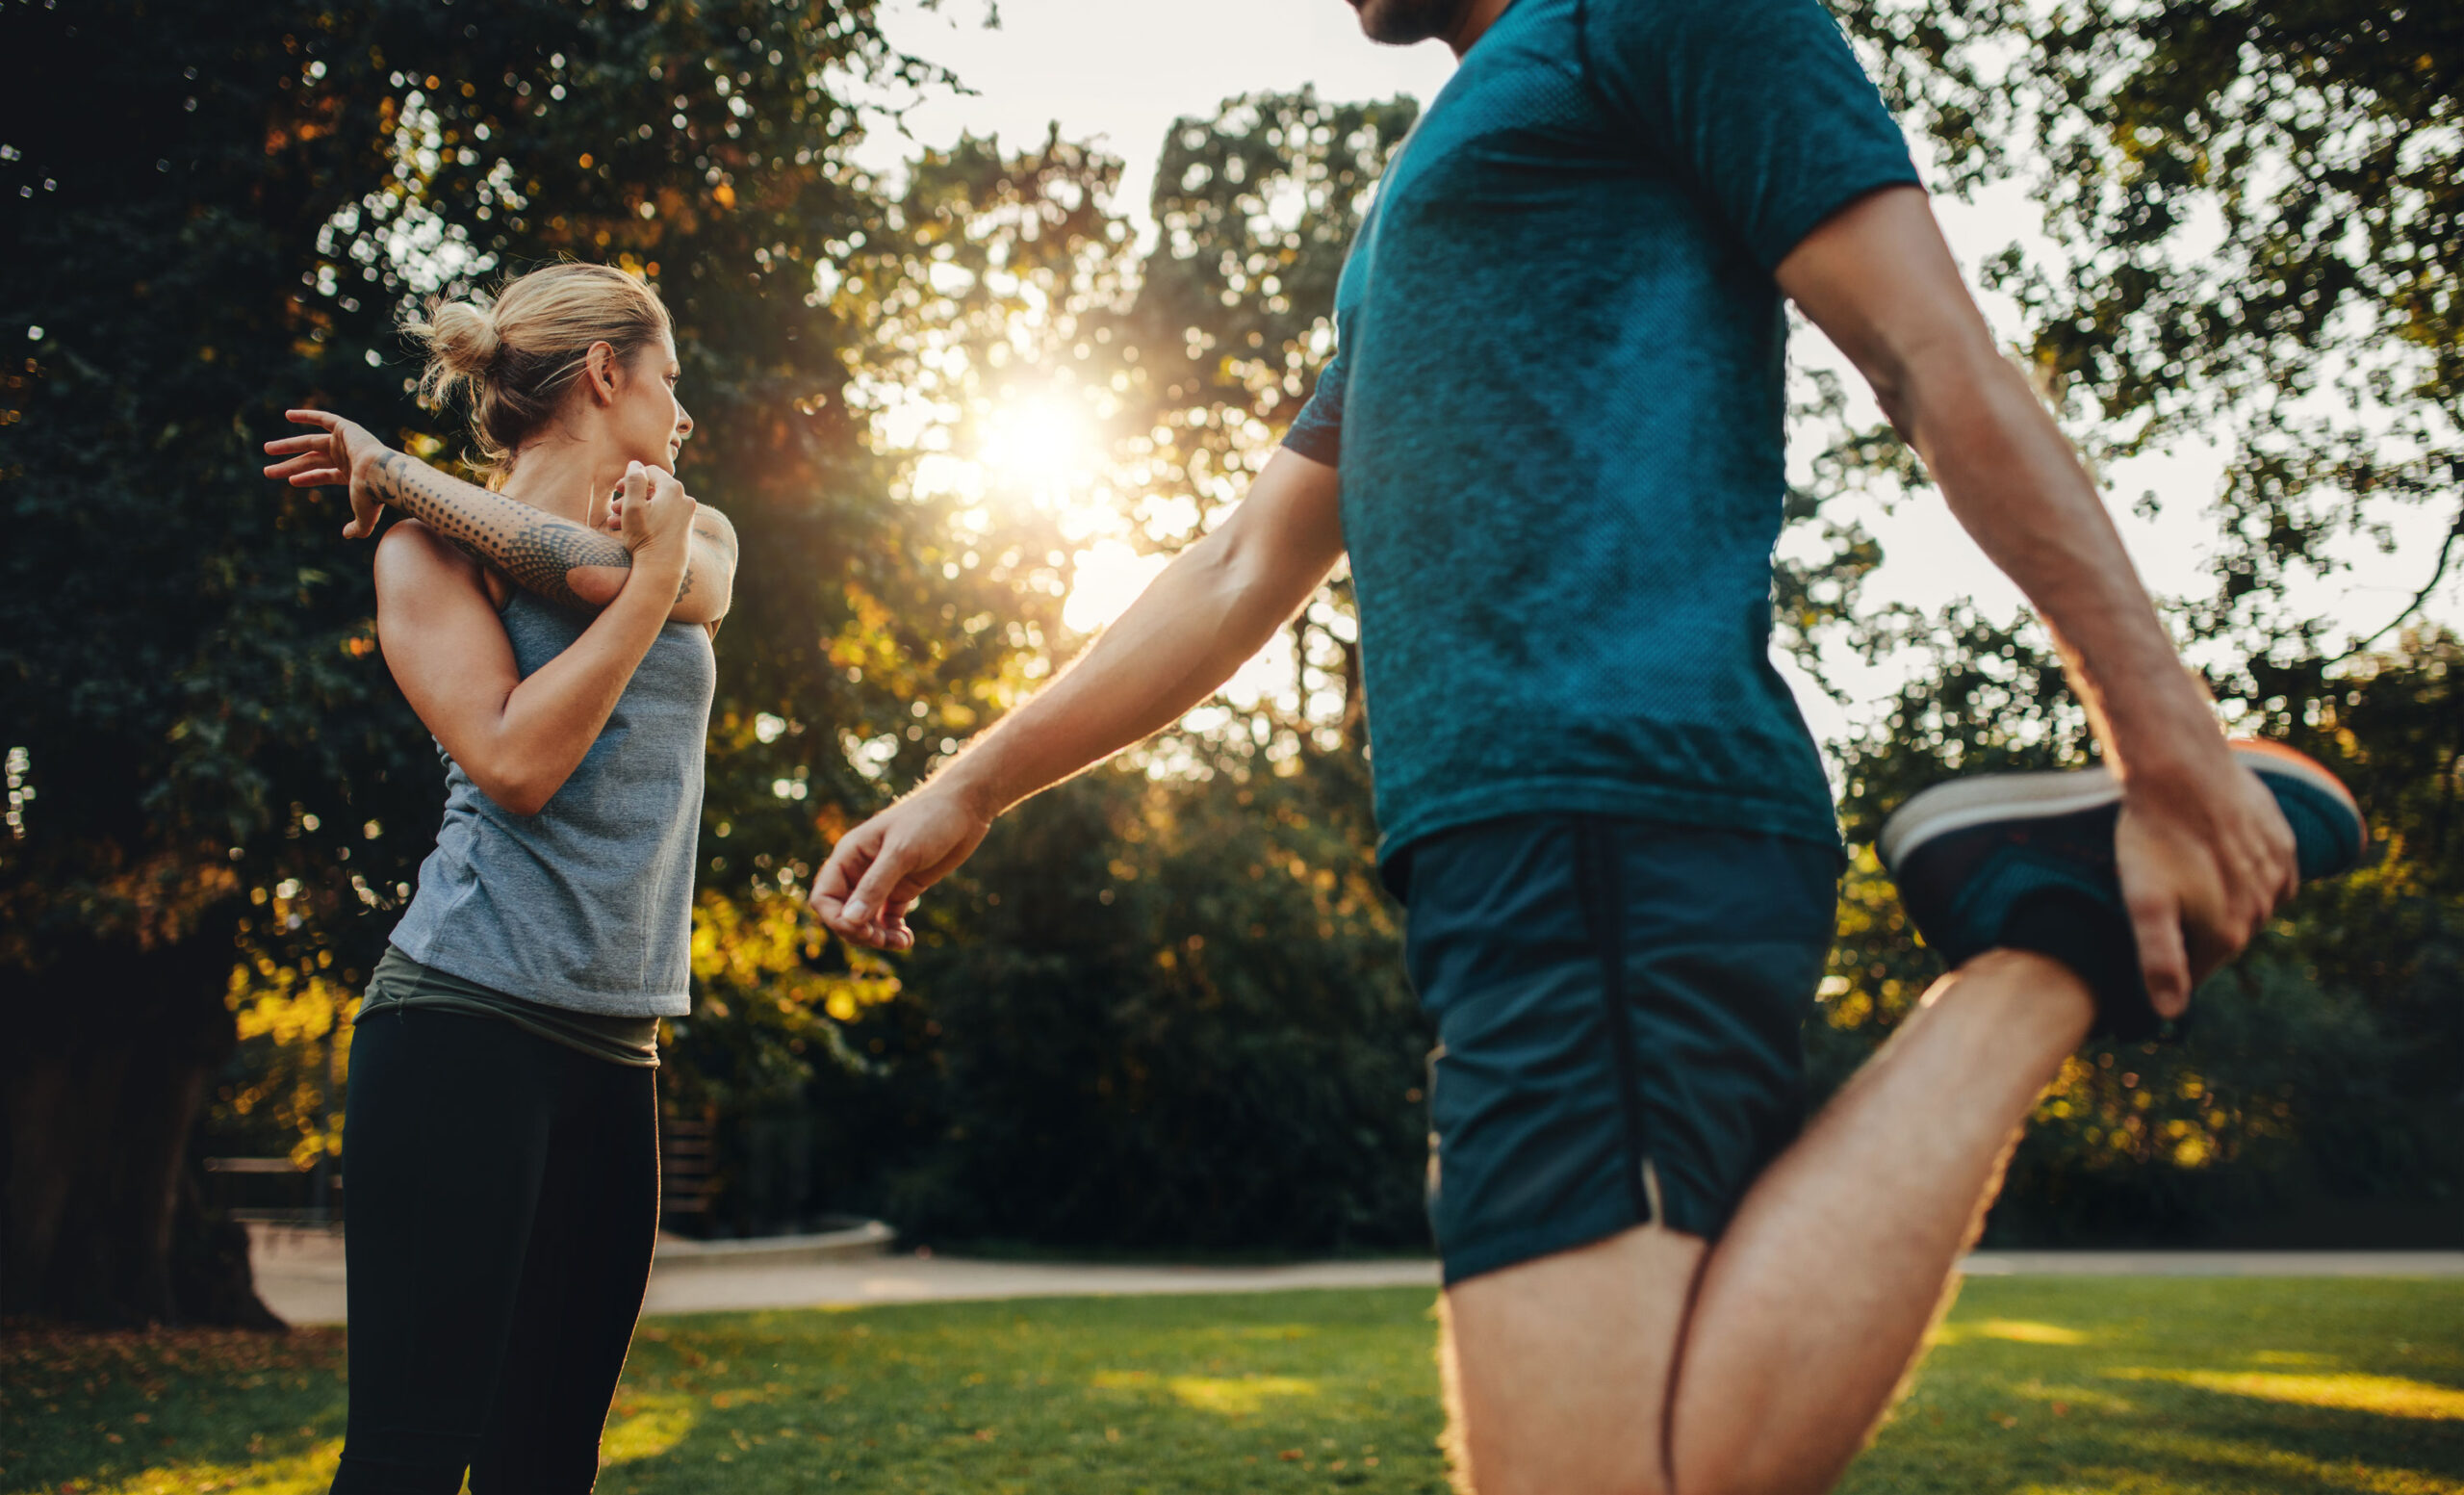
(300, 1274)
(2216, 1264)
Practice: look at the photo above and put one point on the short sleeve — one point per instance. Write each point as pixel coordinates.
(1759, 101)
(1317, 431)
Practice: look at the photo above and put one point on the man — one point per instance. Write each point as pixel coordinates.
(1552, 442)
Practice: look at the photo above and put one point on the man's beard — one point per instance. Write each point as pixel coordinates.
(1403, 22)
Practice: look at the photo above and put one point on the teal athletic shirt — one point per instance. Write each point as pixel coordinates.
(1556, 411)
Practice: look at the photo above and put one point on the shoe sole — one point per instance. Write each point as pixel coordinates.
(1962, 802)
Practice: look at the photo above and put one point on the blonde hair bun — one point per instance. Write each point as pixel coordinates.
(460, 336)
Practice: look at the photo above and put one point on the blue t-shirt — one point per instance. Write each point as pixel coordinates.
(1557, 409)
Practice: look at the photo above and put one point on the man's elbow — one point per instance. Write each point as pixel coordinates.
(1946, 391)
(1240, 579)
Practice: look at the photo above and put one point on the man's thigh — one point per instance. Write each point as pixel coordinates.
(1558, 1369)
(1617, 1006)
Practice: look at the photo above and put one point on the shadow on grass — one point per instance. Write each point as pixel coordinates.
(169, 1412)
(2140, 1386)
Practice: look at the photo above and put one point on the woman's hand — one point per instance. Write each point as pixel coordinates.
(337, 451)
(708, 586)
(655, 515)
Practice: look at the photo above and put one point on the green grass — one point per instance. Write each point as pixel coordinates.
(2041, 1386)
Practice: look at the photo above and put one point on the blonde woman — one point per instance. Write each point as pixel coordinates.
(501, 1131)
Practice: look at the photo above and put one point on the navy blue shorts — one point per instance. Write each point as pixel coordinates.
(1618, 1005)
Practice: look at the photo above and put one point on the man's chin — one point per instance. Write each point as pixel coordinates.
(1402, 23)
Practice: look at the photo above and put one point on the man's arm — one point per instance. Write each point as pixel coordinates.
(1217, 604)
(558, 559)
(2204, 850)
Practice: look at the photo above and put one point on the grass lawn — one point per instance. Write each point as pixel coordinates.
(2037, 1386)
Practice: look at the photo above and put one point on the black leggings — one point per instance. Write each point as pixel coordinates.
(502, 1208)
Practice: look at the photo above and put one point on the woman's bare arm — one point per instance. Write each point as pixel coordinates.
(521, 739)
(556, 559)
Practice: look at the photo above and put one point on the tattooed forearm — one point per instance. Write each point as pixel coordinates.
(536, 551)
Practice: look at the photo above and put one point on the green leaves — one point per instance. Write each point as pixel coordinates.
(2256, 205)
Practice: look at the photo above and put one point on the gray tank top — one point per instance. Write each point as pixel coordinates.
(587, 905)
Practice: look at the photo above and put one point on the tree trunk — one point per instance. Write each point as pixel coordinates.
(101, 1216)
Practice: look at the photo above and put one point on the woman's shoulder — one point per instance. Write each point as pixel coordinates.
(414, 560)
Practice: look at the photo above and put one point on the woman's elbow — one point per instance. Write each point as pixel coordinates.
(518, 799)
(528, 803)
(518, 791)
(703, 606)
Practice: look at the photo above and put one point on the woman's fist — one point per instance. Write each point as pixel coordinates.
(655, 515)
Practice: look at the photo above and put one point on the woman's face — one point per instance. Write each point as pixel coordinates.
(649, 423)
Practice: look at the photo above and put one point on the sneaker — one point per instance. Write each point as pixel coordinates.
(2025, 860)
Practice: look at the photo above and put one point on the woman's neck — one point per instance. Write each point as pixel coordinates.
(563, 478)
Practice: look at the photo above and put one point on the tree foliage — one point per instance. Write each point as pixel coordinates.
(2260, 211)
(2253, 206)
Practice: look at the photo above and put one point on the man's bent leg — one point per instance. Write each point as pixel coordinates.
(1643, 1363)
(1618, 1005)
(1815, 1301)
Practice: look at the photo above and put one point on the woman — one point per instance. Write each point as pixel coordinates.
(501, 1131)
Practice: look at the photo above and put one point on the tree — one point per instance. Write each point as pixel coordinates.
(178, 672)
(205, 759)
(1164, 1006)
(2254, 205)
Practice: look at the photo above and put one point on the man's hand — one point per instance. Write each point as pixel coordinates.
(337, 451)
(2205, 858)
(877, 870)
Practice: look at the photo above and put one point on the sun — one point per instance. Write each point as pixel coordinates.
(1043, 446)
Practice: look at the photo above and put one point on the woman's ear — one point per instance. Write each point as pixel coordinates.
(599, 367)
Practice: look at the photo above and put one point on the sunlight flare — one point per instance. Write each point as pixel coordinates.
(1041, 445)
(645, 1427)
(1108, 576)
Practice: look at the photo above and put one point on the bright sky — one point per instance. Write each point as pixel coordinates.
(1119, 72)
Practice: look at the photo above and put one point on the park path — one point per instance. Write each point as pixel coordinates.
(299, 1273)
